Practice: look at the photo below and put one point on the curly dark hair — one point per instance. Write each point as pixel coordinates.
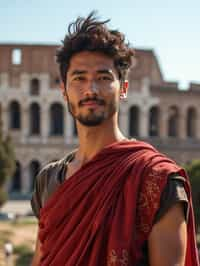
(89, 34)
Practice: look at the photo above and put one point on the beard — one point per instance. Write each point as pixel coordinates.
(93, 119)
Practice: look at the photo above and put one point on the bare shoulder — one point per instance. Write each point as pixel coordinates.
(168, 238)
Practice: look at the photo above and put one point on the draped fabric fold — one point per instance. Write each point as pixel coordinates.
(91, 219)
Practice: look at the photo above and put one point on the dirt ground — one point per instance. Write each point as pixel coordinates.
(20, 233)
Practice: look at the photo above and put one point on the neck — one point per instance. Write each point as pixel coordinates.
(94, 139)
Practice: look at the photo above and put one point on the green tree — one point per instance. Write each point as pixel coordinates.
(193, 170)
(7, 163)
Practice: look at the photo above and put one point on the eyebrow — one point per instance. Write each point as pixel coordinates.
(100, 71)
(78, 72)
(105, 71)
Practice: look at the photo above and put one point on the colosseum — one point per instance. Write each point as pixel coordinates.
(34, 113)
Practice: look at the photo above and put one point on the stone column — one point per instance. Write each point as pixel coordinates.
(182, 125)
(44, 83)
(25, 82)
(4, 80)
(145, 87)
(25, 124)
(45, 123)
(144, 122)
(163, 122)
(124, 119)
(5, 119)
(25, 178)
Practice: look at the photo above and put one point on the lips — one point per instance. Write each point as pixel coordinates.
(91, 102)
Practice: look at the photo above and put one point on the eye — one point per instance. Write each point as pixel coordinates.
(105, 77)
(78, 78)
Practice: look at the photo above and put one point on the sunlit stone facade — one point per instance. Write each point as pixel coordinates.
(34, 113)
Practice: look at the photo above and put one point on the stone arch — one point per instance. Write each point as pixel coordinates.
(34, 87)
(16, 182)
(56, 119)
(173, 121)
(34, 168)
(134, 121)
(191, 121)
(34, 119)
(15, 115)
(154, 115)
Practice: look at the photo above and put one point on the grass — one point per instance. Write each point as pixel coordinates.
(25, 221)
(23, 255)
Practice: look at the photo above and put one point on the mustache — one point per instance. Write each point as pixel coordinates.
(94, 99)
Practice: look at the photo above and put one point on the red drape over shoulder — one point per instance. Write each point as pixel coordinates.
(92, 218)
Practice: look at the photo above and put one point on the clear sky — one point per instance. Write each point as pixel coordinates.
(171, 27)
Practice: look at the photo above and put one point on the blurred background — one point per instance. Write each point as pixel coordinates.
(163, 105)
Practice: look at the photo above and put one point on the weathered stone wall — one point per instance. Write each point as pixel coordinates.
(147, 90)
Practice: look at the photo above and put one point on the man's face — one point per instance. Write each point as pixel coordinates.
(92, 88)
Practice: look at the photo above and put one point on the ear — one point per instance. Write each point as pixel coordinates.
(124, 89)
(63, 90)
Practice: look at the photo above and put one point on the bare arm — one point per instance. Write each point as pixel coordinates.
(168, 239)
(37, 254)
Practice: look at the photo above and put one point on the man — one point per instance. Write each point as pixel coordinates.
(113, 201)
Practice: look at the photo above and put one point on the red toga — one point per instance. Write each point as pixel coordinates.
(92, 219)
